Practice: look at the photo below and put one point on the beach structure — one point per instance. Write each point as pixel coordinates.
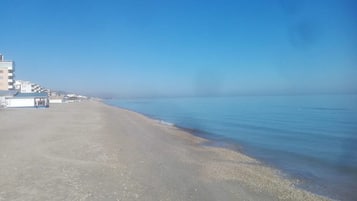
(4, 94)
(7, 75)
(70, 98)
(32, 100)
(56, 99)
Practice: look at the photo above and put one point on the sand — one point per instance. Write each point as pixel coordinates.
(91, 151)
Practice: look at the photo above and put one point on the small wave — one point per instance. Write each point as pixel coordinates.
(166, 123)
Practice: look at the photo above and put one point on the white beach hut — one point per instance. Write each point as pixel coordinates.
(28, 100)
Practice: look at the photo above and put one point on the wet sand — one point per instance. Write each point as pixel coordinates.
(91, 151)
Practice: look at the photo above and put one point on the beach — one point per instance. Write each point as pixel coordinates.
(92, 151)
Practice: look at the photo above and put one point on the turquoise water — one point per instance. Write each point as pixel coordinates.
(311, 138)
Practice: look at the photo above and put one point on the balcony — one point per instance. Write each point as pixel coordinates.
(10, 87)
(8, 64)
(10, 74)
(10, 81)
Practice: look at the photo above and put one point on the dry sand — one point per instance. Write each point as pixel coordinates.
(91, 151)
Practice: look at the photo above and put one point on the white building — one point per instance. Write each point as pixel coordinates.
(22, 100)
(28, 87)
(4, 94)
(7, 75)
(23, 86)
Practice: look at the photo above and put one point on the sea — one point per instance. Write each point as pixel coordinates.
(310, 138)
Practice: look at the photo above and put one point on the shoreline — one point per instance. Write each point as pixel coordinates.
(94, 151)
(327, 172)
(215, 141)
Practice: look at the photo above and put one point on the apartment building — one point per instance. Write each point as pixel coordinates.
(7, 75)
(28, 87)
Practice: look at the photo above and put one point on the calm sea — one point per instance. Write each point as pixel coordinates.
(312, 138)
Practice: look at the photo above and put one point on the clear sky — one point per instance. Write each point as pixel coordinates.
(183, 47)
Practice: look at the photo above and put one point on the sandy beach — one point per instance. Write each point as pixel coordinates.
(91, 151)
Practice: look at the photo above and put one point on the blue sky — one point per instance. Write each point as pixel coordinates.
(185, 47)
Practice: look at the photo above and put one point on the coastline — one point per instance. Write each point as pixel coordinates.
(94, 151)
(216, 141)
